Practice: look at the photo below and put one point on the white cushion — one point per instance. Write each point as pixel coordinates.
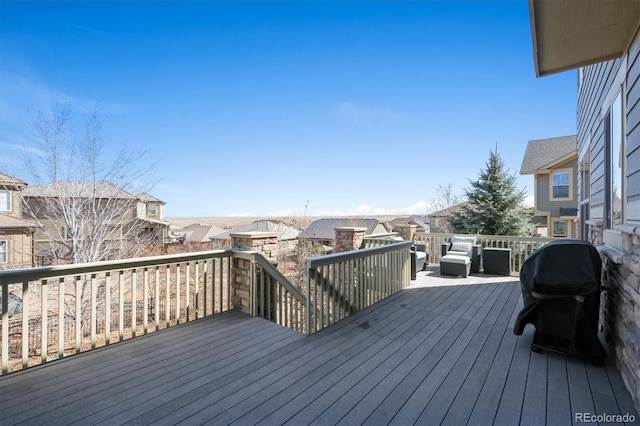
(465, 239)
(454, 258)
(459, 246)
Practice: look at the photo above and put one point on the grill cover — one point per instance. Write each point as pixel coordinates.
(560, 285)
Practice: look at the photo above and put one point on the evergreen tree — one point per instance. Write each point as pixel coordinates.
(493, 206)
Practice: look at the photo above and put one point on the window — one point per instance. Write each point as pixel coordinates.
(5, 200)
(560, 182)
(142, 210)
(615, 163)
(559, 229)
(153, 210)
(4, 248)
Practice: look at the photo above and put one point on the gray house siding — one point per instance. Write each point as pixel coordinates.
(633, 129)
(544, 201)
(619, 318)
(595, 83)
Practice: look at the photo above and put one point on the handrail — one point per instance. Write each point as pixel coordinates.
(355, 254)
(340, 284)
(33, 274)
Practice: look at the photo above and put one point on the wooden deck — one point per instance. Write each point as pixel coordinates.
(432, 354)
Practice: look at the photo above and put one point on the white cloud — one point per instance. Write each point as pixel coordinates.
(528, 201)
(418, 207)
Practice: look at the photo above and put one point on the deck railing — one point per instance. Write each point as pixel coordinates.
(343, 283)
(521, 247)
(69, 309)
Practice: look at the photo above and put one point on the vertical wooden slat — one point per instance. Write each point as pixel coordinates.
(107, 308)
(134, 302)
(94, 310)
(61, 317)
(26, 308)
(187, 300)
(196, 290)
(178, 291)
(120, 305)
(78, 312)
(156, 298)
(44, 317)
(167, 294)
(213, 286)
(145, 300)
(5, 328)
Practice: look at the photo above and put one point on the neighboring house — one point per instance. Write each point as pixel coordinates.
(421, 222)
(439, 221)
(553, 164)
(322, 231)
(600, 39)
(16, 233)
(197, 237)
(287, 236)
(125, 223)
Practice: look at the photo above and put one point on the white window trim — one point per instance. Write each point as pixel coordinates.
(618, 86)
(10, 197)
(6, 252)
(553, 229)
(569, 171)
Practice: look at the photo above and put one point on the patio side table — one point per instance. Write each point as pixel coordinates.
(496, 260)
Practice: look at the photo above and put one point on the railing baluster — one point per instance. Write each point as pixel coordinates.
(5, 329)
(120, 306)
(167, 296)
(107, 308)
(94, 308)
(78, 312)
(44, 316)
(61, 317)
(134, 302)
(156, 298)
(26, 307)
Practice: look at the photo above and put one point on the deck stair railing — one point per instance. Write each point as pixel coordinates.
(343, 283)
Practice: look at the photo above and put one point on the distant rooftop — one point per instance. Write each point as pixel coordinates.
(541, 154)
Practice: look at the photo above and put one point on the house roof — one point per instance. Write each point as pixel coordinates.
(143, 196)
(284, 231)
(11, 222)
(542, 154)
(6, 180)
(100, 189)
(574, 33)
(325, 228)
(420, 221)
(448, 211)
(197, 233)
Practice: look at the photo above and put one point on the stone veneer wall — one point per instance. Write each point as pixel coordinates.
(349, 238)
(620, 303)
(265, 243)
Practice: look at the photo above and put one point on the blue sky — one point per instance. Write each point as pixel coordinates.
(256, 108)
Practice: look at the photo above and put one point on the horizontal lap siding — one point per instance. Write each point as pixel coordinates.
(633, 122)
(594, 85)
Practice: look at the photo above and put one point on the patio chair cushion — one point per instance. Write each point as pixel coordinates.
(463, 239)
(455, 258)
(461, 247)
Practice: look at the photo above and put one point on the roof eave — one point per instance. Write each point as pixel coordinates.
(575, 33)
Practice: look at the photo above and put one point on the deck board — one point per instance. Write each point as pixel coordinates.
(435, 355)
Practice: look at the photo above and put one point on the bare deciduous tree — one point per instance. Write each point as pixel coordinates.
(85, 207)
